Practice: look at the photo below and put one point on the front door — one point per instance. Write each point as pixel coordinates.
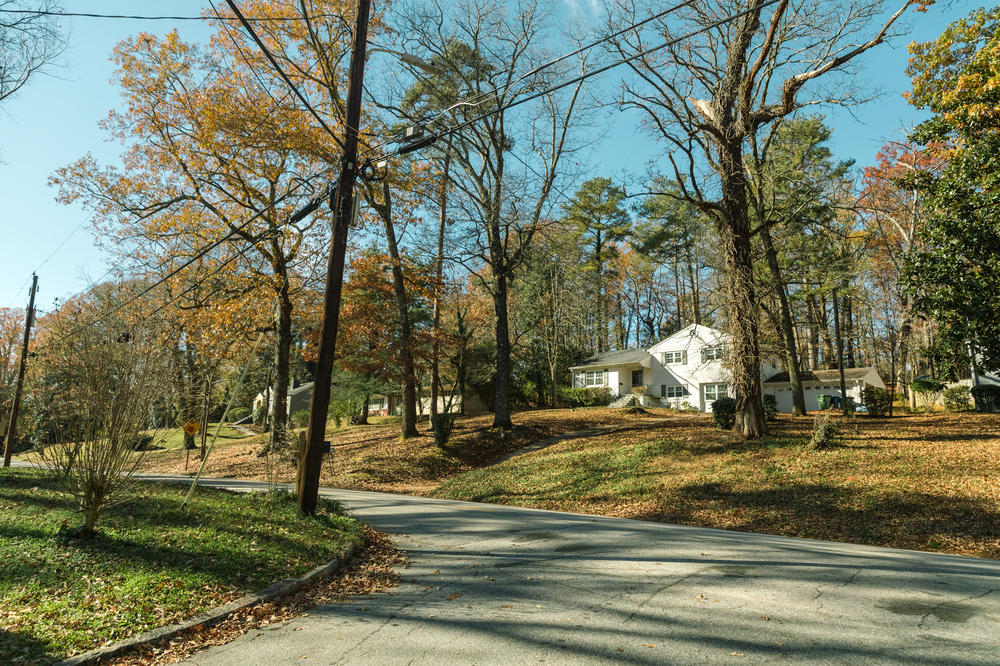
(636, 378)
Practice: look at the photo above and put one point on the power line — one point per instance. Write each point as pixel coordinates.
(583, 77)
(281, 72)
(203, 251)
(138, 17)
(479, 98)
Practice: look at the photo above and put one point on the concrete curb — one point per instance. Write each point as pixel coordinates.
(215, 616)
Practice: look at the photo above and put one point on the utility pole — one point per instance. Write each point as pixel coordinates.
(8, 450)
(308, 487)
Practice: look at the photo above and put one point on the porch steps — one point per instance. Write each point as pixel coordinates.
(623, 401)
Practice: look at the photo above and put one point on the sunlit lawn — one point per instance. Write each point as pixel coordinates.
(151, 564)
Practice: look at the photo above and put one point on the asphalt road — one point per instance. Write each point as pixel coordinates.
(501, 585)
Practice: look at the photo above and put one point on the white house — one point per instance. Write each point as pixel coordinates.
(821, 382)
(686, 370)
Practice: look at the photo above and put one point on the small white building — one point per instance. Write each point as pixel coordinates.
(687, 370)
(821, 382)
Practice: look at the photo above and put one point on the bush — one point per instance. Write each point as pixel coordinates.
(258, 414)
(875, 400)
(987, 397)
(927, 389)
(724, 413)
(824, 433)
(770, 407)
(238, 413)
(957, 398)
(442, 427)
(300, 419)
(586, 397)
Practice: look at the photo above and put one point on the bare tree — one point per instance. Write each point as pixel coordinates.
(748, 64)
(504, 162)
(29, 40)
(109, 378)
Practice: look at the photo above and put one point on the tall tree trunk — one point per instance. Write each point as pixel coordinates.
(363, 414)
(840, 352)
(787, 328)
(695, 295)
(825, 332)
(282, 361)
(501, 406)
(409, 420)
(742, 297)
(813, 343)
(851, 361)
(438, 288)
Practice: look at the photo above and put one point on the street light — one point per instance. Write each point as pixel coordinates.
(408, 59)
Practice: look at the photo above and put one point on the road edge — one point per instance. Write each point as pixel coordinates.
(273, 591)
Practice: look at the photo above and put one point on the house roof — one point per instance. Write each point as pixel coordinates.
(620, 357)
(691, 335)
(822, 375)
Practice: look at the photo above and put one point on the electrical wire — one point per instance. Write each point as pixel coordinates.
(274, 63)
(202, 252)
(480, 98)
(583, 77)
(255, 19)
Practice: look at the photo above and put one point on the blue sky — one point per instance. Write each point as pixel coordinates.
(54, 122)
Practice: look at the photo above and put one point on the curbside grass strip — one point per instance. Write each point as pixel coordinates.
(273, 591)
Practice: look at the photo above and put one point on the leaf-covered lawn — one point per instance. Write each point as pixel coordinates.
(152, 563)
(374, 458)
(926, 482)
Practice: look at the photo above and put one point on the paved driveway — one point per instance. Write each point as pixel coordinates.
(501, 585)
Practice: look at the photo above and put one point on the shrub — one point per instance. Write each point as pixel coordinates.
(770, 407)
(824, 433)
(987, 397)
(238, 413)
(442, 427)
(586, 397)
(258, 414)
(875, 400)
(957, 398)
(300, 419)
(927, 389)
(724, 413)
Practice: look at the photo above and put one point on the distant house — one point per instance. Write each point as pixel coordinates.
(687, 370)
(299, 398)
(821, 382)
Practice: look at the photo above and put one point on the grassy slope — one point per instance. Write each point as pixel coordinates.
(927, 482)
(374, 458)
(152, 564)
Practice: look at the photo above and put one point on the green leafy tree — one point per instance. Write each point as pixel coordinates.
(601, 222)
(953, 277)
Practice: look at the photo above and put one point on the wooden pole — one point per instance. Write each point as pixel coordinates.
(15, 407)
(308, 487)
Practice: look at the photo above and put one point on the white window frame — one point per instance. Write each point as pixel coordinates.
(600, 376)
(678, 391)
(674, 358)
(376, 404)
(712, 353)
(715, 391)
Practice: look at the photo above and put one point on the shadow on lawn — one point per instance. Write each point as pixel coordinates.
(17, 647)
(917, 520)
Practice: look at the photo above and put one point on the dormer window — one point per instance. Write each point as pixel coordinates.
(674, 357)
(711, 353)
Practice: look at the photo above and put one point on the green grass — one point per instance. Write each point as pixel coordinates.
(924, 482)
(151, 564)
(173, 438)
